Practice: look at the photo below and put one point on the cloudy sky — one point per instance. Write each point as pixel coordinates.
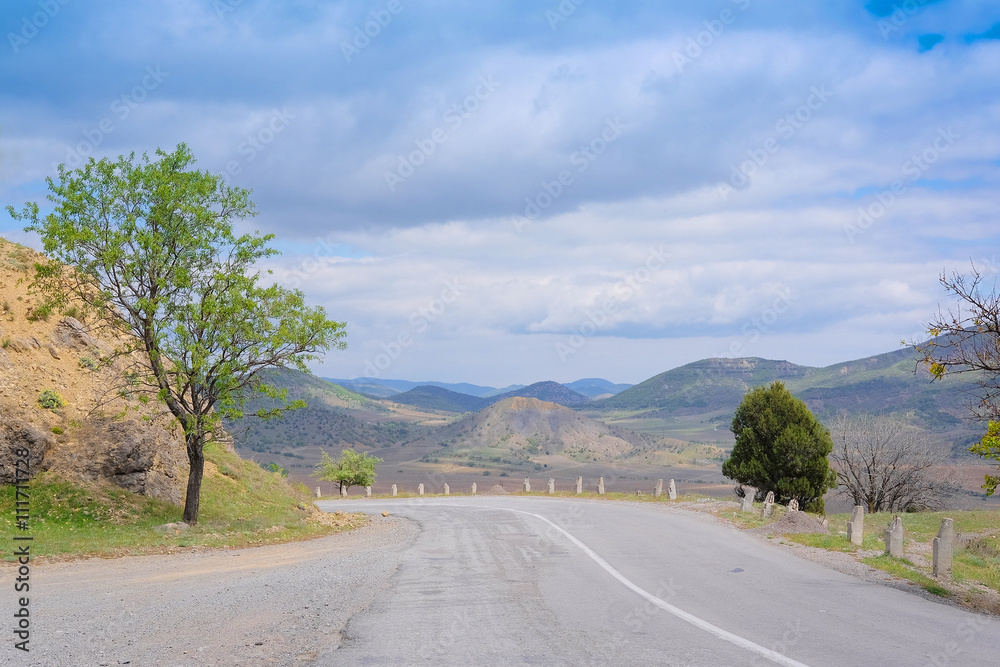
(500, 192)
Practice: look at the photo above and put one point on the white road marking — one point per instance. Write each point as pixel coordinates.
(666, 606)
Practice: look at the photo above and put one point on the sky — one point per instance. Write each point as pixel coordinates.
(510, 192)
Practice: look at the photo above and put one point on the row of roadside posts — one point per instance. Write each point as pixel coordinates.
(943, 545)
(526, 487)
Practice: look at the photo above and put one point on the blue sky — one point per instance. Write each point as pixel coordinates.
(502, 192)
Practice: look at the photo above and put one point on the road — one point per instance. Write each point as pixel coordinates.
(489, 581)
(494, 580)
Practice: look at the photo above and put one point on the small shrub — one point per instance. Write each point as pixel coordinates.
(57, 430)
(42, 312)
(486, 473)
(89, 363)
(6, 343)
(73, 312)
(51, 400)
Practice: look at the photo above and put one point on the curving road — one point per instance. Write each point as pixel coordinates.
(495, 580)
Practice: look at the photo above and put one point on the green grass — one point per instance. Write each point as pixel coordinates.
(900, 567)
(822, 541)
(243, 506)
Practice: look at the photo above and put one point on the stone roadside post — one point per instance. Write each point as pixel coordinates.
(368, 492)
(579, 485)
(447, 489)
(318, 493)
(473, 488)
(527, 485)
(552, 485)
(658, 491)
(672, 490)
(944, 548)
(894, 538)
(793, 505)
(767, 509)
(343, 491)
(420, 490)
(856, 526)
(600, 487)
(748, 495)
(394, 490)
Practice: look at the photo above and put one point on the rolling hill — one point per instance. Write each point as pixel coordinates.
(429, 397)
(707, 392)
(552, 392)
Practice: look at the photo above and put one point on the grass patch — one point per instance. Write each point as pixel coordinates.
(822, 541)
(249, 506)
(900, 567)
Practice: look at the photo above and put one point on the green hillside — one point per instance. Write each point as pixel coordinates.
(437, 398)
(698, 400)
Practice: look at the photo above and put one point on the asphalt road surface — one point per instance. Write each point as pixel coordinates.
(498, 581)
(488, 581)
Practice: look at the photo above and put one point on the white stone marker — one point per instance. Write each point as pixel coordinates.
(856, 526)
(658, 491)
(394, 490)
(672, 490)
(600, 486)
(368, 492)
(944, 548)
(579, 485)
(894, 538)
(318, 493)
(527, 485)
(343, 491)
(420, 490)
(748, 495)
(473, 488)
(793, 505)
(447, 489)
(552, 485)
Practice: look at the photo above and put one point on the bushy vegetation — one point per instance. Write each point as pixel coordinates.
(51, 400)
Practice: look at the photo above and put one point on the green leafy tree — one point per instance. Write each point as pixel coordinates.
(966, 339)
(152, 253)
(781, 447)
(351, 469)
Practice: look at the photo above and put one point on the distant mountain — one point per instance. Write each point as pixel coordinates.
(429, 397)
(386, 387)
(547, 391)
(709, 391)
(594, 387)
(703, 385)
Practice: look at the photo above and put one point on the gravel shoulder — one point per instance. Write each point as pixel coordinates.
(278, 605)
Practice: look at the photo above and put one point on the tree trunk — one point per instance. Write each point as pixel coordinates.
(196, 457)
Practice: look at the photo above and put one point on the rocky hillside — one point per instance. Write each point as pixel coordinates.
(529, 427)
(58, 401)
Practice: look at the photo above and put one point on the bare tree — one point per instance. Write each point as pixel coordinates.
(887, 465)
(966, 339)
